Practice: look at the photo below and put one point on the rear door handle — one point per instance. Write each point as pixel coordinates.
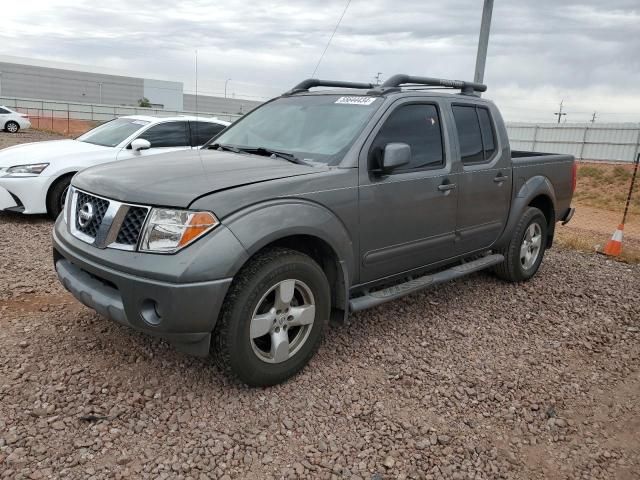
(500, 178)
(445, 187)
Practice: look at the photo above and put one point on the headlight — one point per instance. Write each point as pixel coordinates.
(33, 169)
(167, 231)
(67, 204)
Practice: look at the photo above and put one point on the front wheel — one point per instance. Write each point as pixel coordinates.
(57, 196)
(525, 251)
(12, 127)
(273, 318)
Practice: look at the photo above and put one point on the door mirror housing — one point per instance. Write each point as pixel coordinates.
(395, 155)
(140, 144)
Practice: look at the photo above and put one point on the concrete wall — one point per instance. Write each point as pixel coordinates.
(28, 81)
(70, 83)
(165, 93)
(586, 141)
(57, 84)
(219, 104)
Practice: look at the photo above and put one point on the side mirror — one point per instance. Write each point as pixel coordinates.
(395, 155)
(140, 144)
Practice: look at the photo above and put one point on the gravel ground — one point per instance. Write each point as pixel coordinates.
(476, 379)
(24, 136)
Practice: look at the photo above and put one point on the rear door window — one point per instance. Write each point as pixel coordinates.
(202, 132)
(488, 135)
(476, 136)
(169, 134)
(469, 135)
(3, 111)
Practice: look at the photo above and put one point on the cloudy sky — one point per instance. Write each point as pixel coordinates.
(586, 52)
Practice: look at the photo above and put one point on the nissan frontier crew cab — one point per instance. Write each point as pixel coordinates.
(314, 205)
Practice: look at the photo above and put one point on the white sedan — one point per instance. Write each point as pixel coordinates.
(11, 121)
(34, 177)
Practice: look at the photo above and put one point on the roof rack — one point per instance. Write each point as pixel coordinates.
(305, 85)
(393, 84)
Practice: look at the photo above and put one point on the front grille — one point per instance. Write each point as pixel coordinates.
(132, 226)
(120, 229)
(97, 206)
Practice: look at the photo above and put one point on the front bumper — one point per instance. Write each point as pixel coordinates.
(24, 194)
(184, 314)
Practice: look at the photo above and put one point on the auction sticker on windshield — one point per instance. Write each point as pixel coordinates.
(356, 100)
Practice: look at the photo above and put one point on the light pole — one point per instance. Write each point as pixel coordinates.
(483, 41)
(225, 87)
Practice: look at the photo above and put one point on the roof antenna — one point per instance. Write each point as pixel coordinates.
(331, 37)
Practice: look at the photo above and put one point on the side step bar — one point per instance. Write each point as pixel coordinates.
(378, 297)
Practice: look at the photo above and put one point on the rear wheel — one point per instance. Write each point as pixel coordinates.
(12, 127)
(57, 196)
(525, 251)
(273, 318)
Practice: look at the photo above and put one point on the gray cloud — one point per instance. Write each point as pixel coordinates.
(586, 51)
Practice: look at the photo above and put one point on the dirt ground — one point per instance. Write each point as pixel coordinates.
(477, 379)
(600, 199)
(26, 136)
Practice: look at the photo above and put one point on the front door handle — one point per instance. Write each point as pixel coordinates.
(500, 178)
(445, 187)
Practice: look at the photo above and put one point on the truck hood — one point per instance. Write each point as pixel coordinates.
(176, 179)
(47, 152)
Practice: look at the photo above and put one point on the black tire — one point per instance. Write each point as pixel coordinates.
(11, 127)
(56, 196)
(512, 269)
(232, 345)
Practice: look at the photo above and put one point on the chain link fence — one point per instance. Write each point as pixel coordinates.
(73, 119)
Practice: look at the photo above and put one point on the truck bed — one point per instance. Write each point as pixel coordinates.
(556, 168)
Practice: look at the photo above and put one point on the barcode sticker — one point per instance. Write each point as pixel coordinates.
(356, 100)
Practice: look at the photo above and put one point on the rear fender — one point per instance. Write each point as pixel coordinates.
(533, 187)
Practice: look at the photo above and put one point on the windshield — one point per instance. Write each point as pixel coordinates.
(314, 127)
(112, 133)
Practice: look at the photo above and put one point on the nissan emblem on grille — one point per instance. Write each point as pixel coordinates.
(85, 214)
(106, 223)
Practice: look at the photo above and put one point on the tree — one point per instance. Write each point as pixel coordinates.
(144, 102)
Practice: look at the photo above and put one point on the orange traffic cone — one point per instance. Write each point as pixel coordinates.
(613, 247)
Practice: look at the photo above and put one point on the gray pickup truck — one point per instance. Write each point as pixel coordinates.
(314, 205)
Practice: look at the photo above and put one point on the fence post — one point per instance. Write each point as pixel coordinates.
(637, 151)
(584, 140)
(535, 137)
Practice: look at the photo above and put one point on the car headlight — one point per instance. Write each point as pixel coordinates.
(33, 169)
(67, 205)
(167, 231)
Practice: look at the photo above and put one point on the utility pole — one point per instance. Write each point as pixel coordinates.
(593, 117)
(559, 113)
(483, 41)
(377, 78)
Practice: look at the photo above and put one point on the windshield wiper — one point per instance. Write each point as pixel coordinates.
(276, 154)
(220, 146)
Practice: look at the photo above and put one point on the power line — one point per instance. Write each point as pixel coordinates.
(331, 37)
